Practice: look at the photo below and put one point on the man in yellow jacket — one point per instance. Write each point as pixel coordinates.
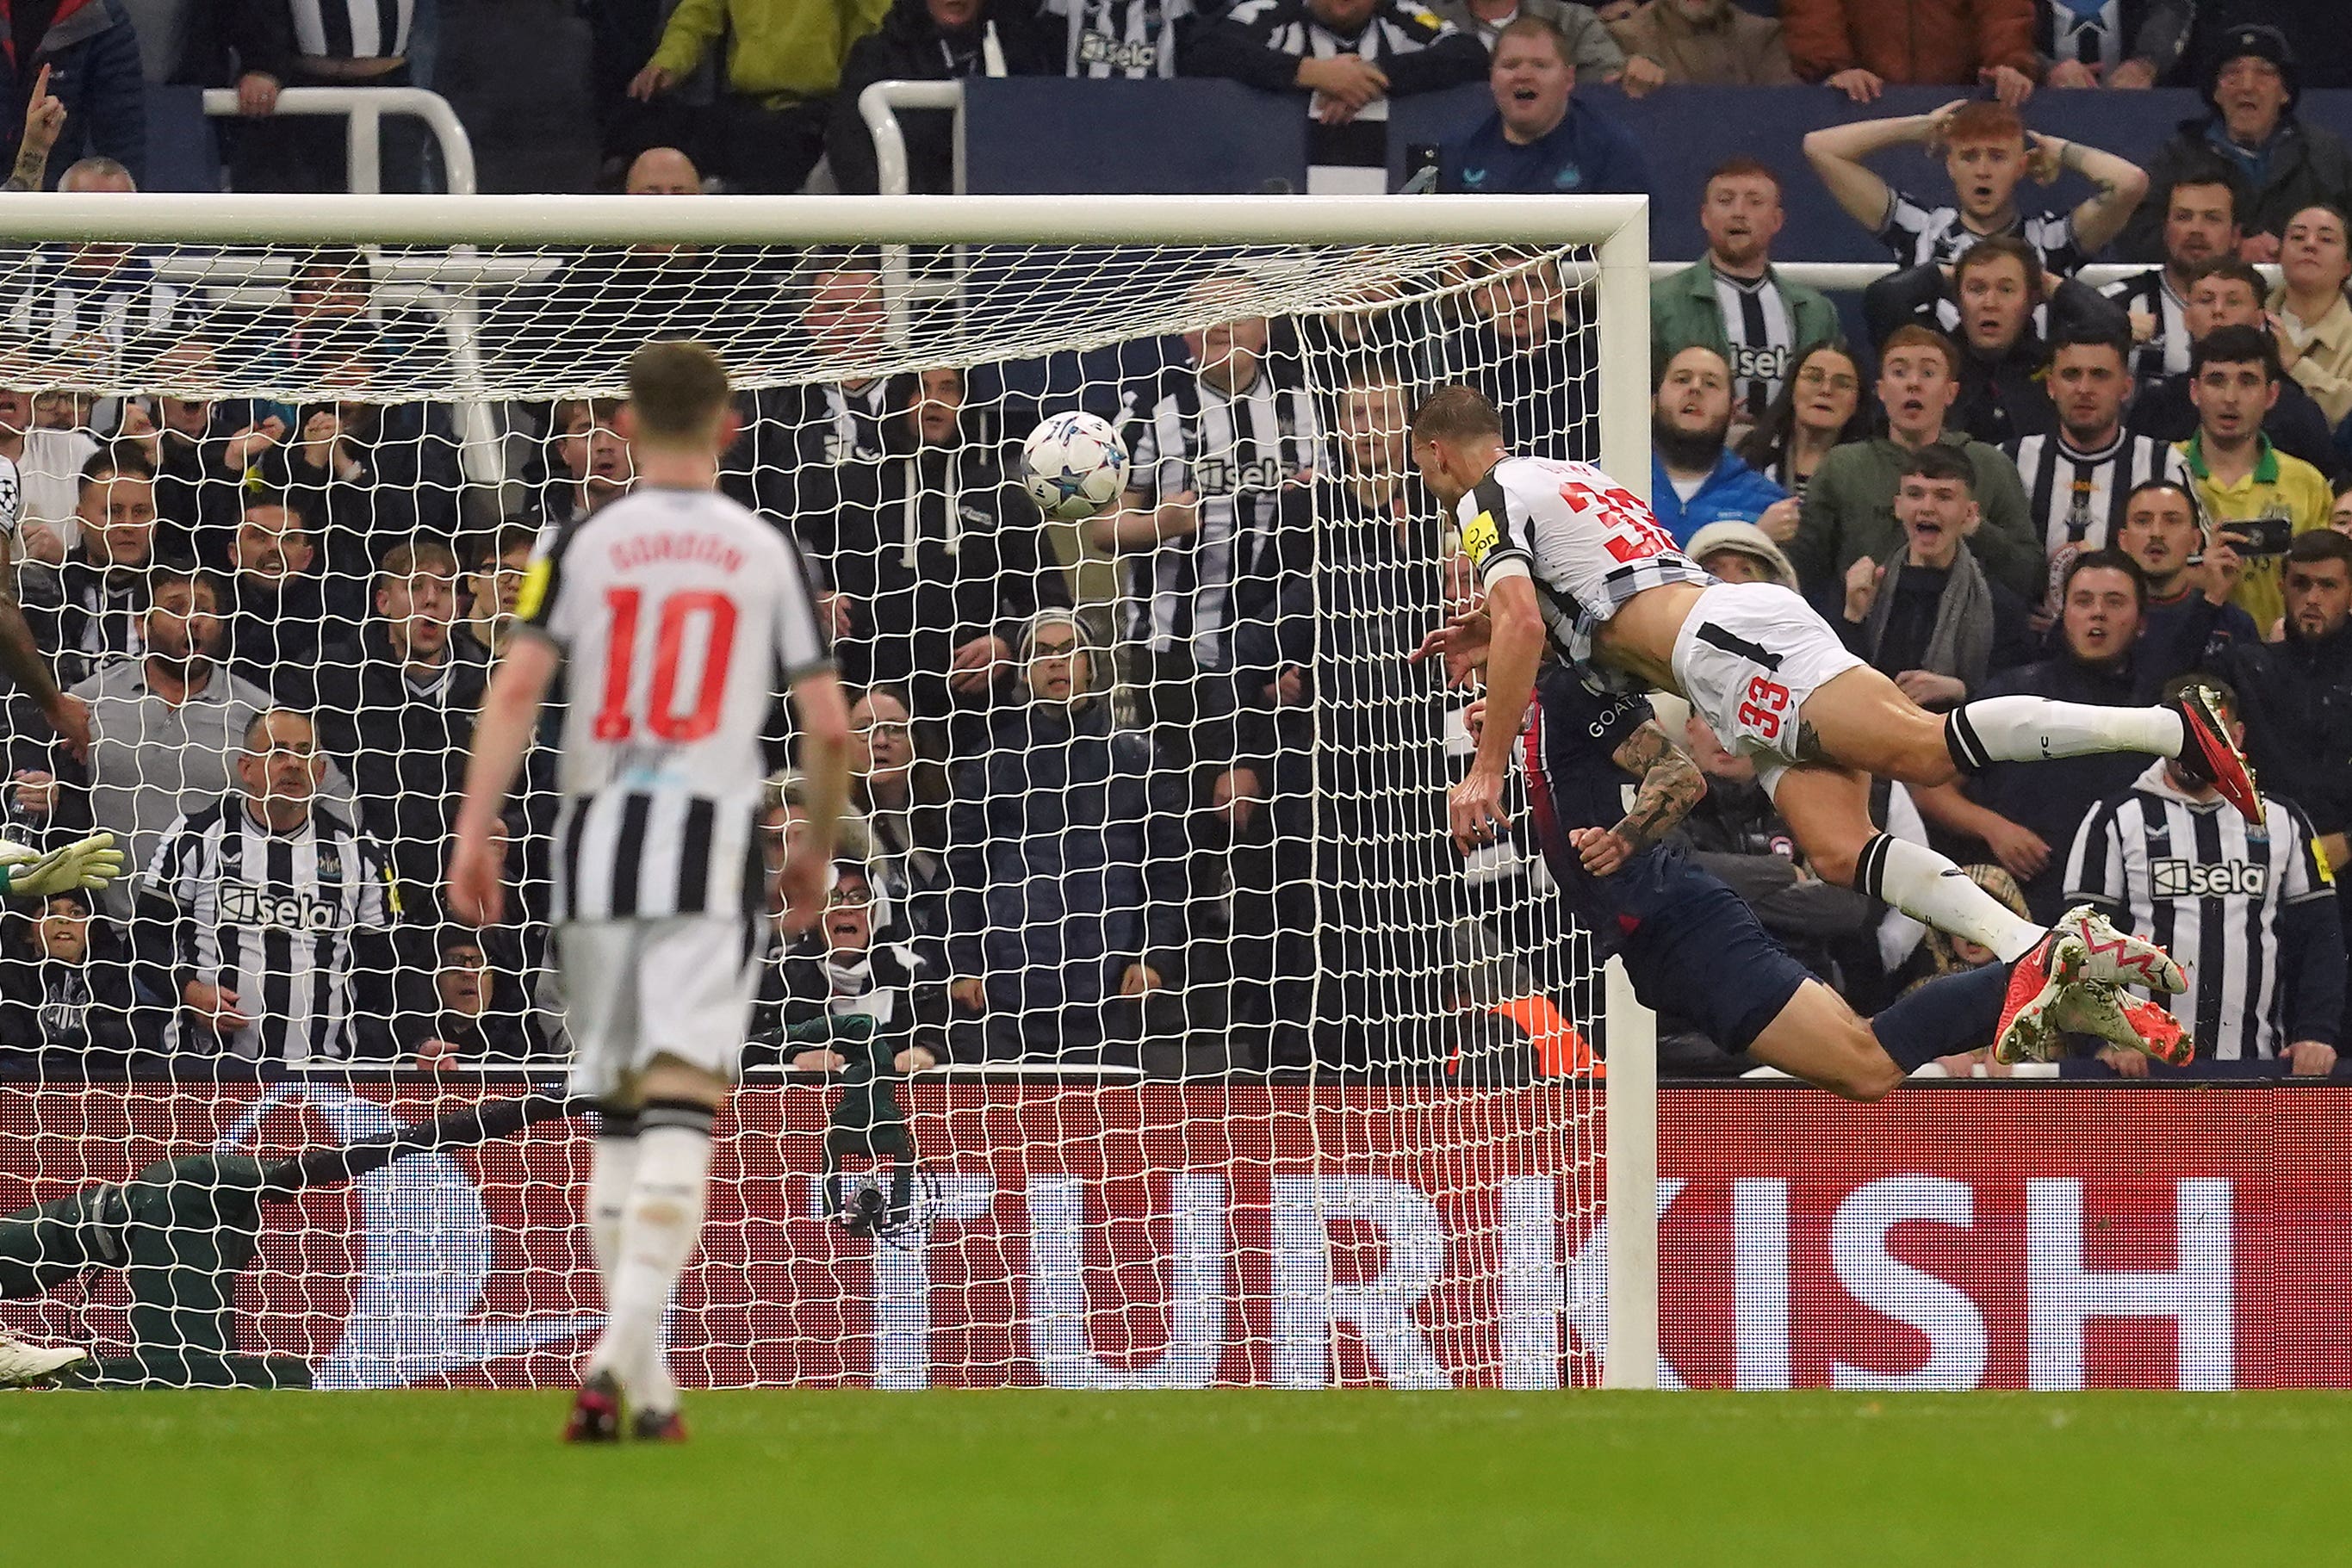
(2257, 496)
(784, 62)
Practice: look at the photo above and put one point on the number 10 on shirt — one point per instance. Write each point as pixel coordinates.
(665, 718)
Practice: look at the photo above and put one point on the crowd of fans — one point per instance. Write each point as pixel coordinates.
(1161, 791)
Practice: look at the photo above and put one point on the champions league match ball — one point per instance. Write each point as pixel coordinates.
(1073, 466)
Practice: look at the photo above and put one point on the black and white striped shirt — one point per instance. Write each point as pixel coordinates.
(2166, 353)
(1918, 234)
(1240, 456)
(282, 919)
(1130, 39)
(2076, 498)
(681, 614)
(352, 30)
(62, 304)
(1762, 335)
(2210, 886)
(1588, 544)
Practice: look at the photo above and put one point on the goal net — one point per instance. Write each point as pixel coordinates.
(1155, 1034)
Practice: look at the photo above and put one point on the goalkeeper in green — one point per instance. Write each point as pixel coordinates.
(181, 1231)
(88, 864)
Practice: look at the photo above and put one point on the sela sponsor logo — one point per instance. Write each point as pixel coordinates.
(1754, 362)
(243, 904)
(1223, 477)
(2178, 878)
(1101, 49)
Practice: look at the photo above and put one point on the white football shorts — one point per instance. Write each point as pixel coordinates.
(1748, 657)
(677, 986)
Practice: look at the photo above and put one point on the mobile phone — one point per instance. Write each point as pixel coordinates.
(2260, 536)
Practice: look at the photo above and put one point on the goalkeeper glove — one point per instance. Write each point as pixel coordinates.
(90, 863)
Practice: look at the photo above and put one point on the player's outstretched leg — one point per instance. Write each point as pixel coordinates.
(1827, 810)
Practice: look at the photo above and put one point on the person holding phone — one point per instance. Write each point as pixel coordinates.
(2258, 496)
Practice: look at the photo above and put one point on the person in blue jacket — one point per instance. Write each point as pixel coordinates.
(86, 63)
(1539, 141)
(1695, 477)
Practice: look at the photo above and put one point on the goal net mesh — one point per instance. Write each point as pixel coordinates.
(1155, 1030)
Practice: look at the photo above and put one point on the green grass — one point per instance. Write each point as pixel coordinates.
(477, 1480)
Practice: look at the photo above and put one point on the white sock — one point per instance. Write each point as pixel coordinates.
(659, 1233)
(2036, 729)
(611, 1174)
(1928, 888)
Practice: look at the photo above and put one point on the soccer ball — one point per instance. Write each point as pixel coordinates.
(1074, 466)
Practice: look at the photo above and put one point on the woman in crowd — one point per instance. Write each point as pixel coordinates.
(1820, 406)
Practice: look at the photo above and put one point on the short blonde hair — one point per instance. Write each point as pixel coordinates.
(676, 391)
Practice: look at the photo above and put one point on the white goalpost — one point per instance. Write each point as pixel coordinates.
(1167, 1037)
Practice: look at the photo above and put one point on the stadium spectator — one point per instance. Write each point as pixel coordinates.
(294, 43)
(267, 916)
(2288, 164)
(87, 302)
(2312, 318)
(2132, 44)
(1995, 294)
(48, 463)
(2258, 496)
(2201, 225)
(1928, 616)
(1741, 552)
(201, 449)
(941, 563)
(1819, 407)
(2080, 476)
(1732, 300)
(1987, 150)
(2295, 694)
(1694, 479)
(1521, 347)
(1709, 43)
(495, 568)
(1848, 509)
(2340, 519)
(67, 1011)
(274, 603)
(853, 978)
(2191, 622)
(1863, 46)
(1059, 921)
(2227, 292)
(589, 462)
(90, 612)
(470, 1017)
(929, 40)
(166, 728)
(1215, 518)
(396, 707)
(1540, 140)
(1117, 38)
(810, 445)
(2025, 815)
(1593, 48)
(366, 475)
(784, 62)
(2169, 861)
(75, 67)
(902, 793)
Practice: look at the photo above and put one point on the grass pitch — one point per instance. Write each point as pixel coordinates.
(456, 1480)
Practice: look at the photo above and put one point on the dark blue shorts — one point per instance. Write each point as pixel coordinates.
(1705, 957)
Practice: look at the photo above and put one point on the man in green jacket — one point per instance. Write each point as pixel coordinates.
(1849, 507)
(1733, 301)
(784, 62)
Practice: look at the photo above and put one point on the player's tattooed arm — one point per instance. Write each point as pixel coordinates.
(1671, 785)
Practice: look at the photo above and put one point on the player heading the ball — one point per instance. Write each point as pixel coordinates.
(1572, 559)
(679, 612)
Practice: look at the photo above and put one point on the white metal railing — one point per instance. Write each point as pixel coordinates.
(366, 108)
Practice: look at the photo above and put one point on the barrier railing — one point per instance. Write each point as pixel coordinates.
(366, 108)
